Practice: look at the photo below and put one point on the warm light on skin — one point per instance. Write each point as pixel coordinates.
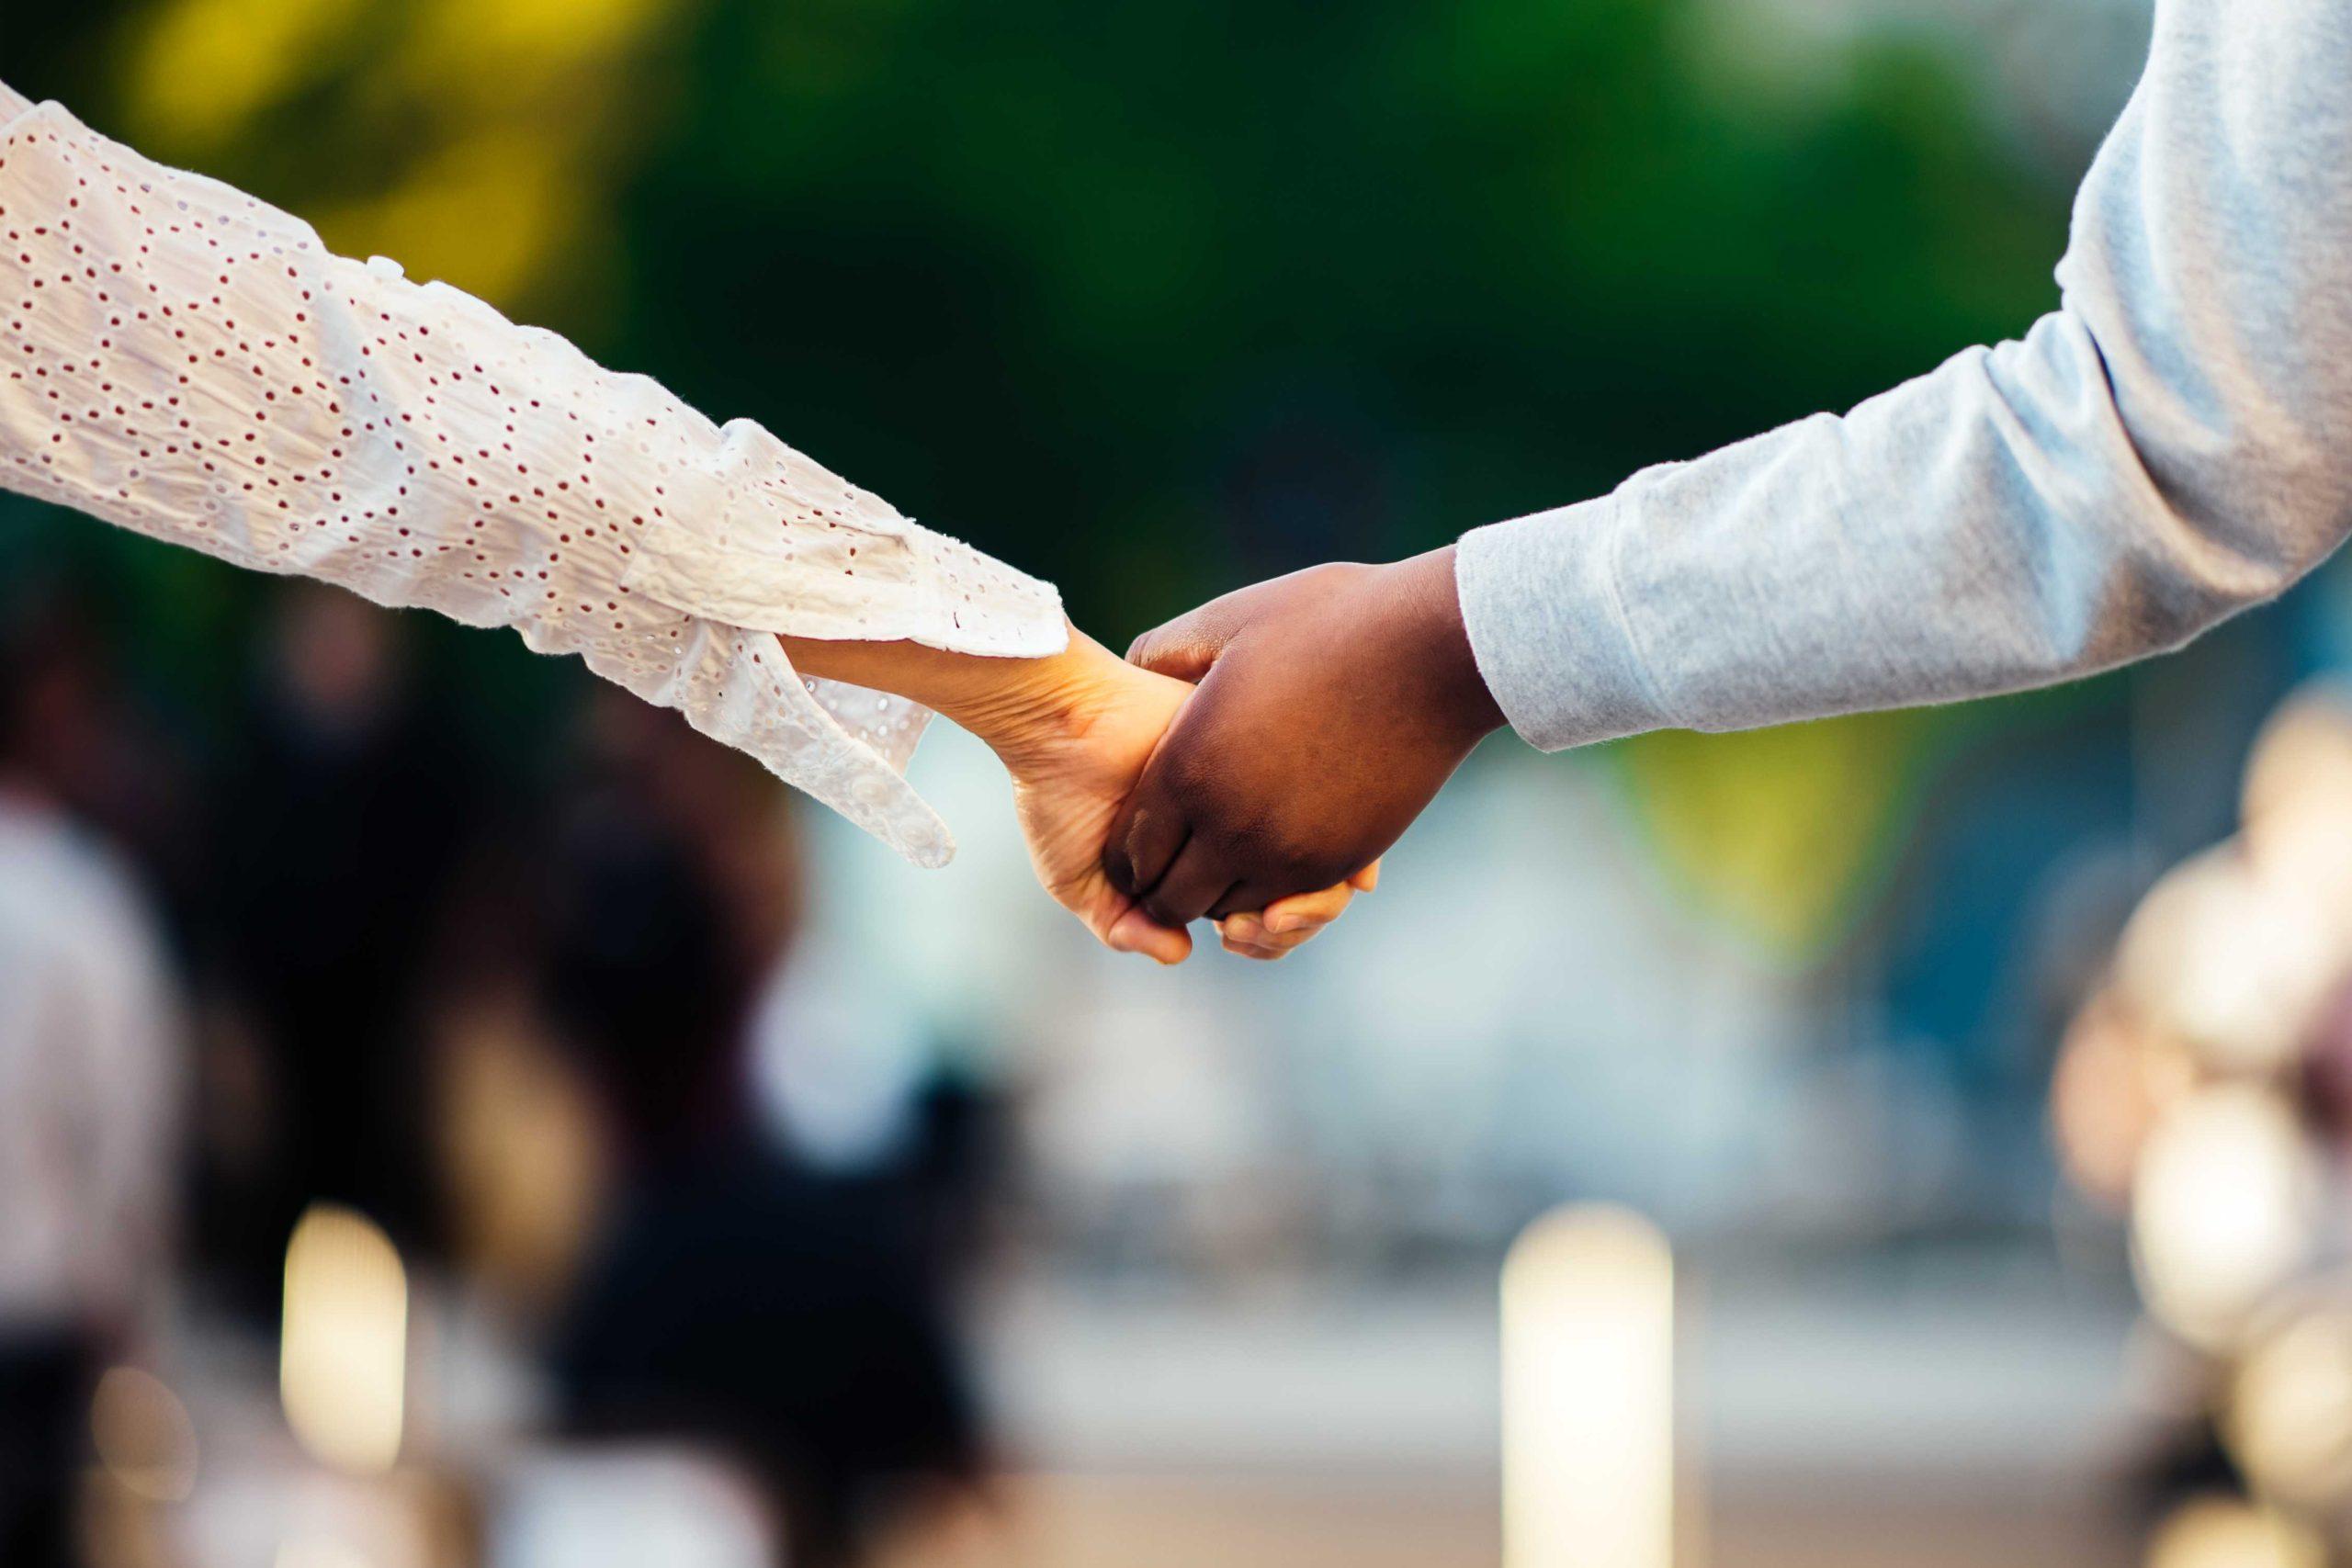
(1588, 1395)
(342, 1365)
(2222, 1532)
(2223, 1210)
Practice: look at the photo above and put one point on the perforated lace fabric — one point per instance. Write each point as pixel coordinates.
(188, 362)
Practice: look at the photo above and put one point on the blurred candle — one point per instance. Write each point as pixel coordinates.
(1587, 1396)
(342, 1364)
(2224, 1532)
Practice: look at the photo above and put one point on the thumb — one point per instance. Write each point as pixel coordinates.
(1135, 932)
(1186, 647)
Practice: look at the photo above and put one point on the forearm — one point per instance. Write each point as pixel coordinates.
(1993, 527)
(2156, 455)
(190, 363)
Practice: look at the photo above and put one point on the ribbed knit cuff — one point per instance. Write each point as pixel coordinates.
(1539, 599)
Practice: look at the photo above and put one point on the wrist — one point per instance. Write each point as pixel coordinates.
(1024, 708)
(1424, 626)
(1014, 705)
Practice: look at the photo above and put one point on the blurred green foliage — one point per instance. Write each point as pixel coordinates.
(1153, 298)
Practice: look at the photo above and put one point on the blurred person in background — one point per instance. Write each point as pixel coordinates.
(341, 818)
(2164, 450)
(795, 1322)
(90, 1076)
(192, 364)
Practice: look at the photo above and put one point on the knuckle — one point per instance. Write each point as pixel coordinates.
(1307, 870)
(1334, 575)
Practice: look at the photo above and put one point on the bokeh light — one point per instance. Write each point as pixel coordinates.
(320, 1552)
(2297, 800)
(143, 1436)
(2114, 1080)
(2230, 961)
(2224, 1207)
(343, 1366)
(2288, 1418)
(2222, 1532)
(1587, 1358)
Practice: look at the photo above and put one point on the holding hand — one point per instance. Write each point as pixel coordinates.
(1075, 731)
(1332, 704)
(1089, 728)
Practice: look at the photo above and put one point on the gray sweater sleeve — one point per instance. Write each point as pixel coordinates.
(2172, 445)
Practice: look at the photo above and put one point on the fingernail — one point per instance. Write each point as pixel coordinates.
(1281, 925)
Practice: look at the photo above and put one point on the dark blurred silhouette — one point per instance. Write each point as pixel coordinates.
(796, 1322)
(343, 812)
(90, 1082)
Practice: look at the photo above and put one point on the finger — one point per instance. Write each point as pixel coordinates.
(1134, 931)
(1280, 947)
(1248, 931)
(1145, 838)
(1195, 880)
(1308, 912)
(1366, 880)
(1246, 935)
(1248, 927)
(1265, 901)
(1186, 647)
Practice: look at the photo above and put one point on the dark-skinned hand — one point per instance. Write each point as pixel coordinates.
(1333, 704)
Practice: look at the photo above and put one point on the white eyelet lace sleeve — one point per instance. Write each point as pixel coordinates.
(184, 361)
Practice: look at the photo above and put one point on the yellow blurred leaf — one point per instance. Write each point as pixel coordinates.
(199, 70)
(487, 214)
(1779, 831)
(493, 50)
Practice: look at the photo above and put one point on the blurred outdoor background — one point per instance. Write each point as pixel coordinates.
(452, 1117)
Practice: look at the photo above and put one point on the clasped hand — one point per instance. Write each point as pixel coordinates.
(1249, 762)
(1255, 758)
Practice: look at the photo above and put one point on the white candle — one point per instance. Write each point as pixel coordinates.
(343, 1362)
(1587, 1366)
